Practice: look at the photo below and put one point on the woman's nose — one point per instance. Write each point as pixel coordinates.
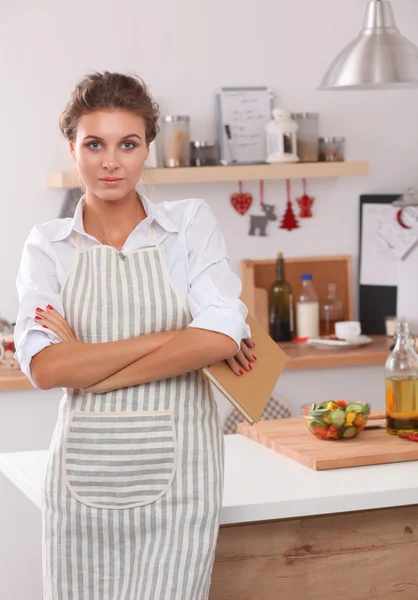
(110, 160)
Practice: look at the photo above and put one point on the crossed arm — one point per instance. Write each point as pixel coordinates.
(107, 366)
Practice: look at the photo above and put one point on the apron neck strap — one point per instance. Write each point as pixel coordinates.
(154, 236)
(78, 243)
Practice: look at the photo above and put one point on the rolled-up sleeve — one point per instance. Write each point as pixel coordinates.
(37, 286)
(214, 289)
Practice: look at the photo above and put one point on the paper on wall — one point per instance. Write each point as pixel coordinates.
(400, 240)
(407, 293)
(379, 265)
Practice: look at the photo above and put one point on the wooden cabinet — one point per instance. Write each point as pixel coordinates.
(258, 275)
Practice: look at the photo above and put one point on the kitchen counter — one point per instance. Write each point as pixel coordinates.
(14, 379)
(301, 357)
(282, 523)
(261, 484)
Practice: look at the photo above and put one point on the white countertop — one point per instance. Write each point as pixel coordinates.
(261, 484)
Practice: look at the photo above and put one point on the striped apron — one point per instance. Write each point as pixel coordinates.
(133, 484)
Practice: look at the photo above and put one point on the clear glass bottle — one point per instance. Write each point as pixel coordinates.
(332, 310)
(401, 373)
(307, 309)
(281, 305)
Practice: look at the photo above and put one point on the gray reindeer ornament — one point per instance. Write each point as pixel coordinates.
(258, 223)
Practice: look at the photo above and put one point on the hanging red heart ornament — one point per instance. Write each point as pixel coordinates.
(241, 201)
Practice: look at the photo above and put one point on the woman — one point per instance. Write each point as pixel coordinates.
(122, 306)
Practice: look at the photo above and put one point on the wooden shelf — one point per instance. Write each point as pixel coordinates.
(231, 173)
(11, 379)
(302, 356)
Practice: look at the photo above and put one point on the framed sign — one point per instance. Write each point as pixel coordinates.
(242, 115)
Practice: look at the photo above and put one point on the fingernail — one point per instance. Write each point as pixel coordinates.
(45, 326)
(241, 372)
(250, 367)
(39, 309)
(49, 307)
(253, 344)
(38, 318)
(254, 357)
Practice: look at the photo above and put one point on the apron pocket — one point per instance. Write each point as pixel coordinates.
(119, 460)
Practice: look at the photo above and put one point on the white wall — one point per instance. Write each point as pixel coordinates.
(184, 50)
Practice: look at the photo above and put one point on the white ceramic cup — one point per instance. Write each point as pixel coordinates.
(346, 330)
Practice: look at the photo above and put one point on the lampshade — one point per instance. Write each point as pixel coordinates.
(379, 58)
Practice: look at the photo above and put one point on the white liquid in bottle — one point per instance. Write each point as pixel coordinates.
(307, 309)
(307, 319)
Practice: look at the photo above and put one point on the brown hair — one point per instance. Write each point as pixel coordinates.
(99, 91)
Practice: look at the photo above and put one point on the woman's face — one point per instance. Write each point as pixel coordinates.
(110, 144)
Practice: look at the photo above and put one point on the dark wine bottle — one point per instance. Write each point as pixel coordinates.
(281, 305)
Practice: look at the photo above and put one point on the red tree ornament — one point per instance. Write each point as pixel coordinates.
(289, 220)
(305, 203)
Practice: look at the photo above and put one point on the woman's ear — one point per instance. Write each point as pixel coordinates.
(72, 148)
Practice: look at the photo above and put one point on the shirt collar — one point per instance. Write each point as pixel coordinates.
(155, 212)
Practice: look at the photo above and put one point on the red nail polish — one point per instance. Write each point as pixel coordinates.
(45, 326)
(241, 372)
(49, 306)
(39, 309)
(254, 357)
(38, 318)
(250, 367)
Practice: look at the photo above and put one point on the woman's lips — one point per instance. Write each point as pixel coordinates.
(110, 182)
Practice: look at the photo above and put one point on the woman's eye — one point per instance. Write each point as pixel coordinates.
(93, 144)
(131, 144)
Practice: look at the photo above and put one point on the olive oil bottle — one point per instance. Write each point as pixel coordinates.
(281, 305)
(402, 384)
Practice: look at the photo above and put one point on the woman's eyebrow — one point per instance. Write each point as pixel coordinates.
(96, 137)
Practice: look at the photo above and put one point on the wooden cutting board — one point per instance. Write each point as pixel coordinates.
(292, 438)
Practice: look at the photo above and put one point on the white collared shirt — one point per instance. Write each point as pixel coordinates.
(194, 251)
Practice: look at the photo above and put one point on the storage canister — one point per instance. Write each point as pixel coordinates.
(331, 149)
(307, 136)
(203, 153)
(176, 141)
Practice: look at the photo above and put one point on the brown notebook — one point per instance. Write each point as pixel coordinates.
(249, 393)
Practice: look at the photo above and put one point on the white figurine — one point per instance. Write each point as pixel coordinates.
(281, 137)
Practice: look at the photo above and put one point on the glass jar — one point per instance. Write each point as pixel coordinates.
(307, 309)
(307, 136)
(331, 149)
(176, 141)
(203, 153)
(401, 373)
(332, 311)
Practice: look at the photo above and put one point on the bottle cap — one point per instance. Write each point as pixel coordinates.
(306, 277)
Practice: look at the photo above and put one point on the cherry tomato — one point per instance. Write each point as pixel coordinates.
(342, 403)
(333, 433)
(321, 433)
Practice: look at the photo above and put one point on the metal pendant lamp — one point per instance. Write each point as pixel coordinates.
(379, 58)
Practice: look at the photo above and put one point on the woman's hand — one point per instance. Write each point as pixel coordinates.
(53, 320)
(243, 358)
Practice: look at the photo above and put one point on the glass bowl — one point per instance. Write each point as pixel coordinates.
(336, 419)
